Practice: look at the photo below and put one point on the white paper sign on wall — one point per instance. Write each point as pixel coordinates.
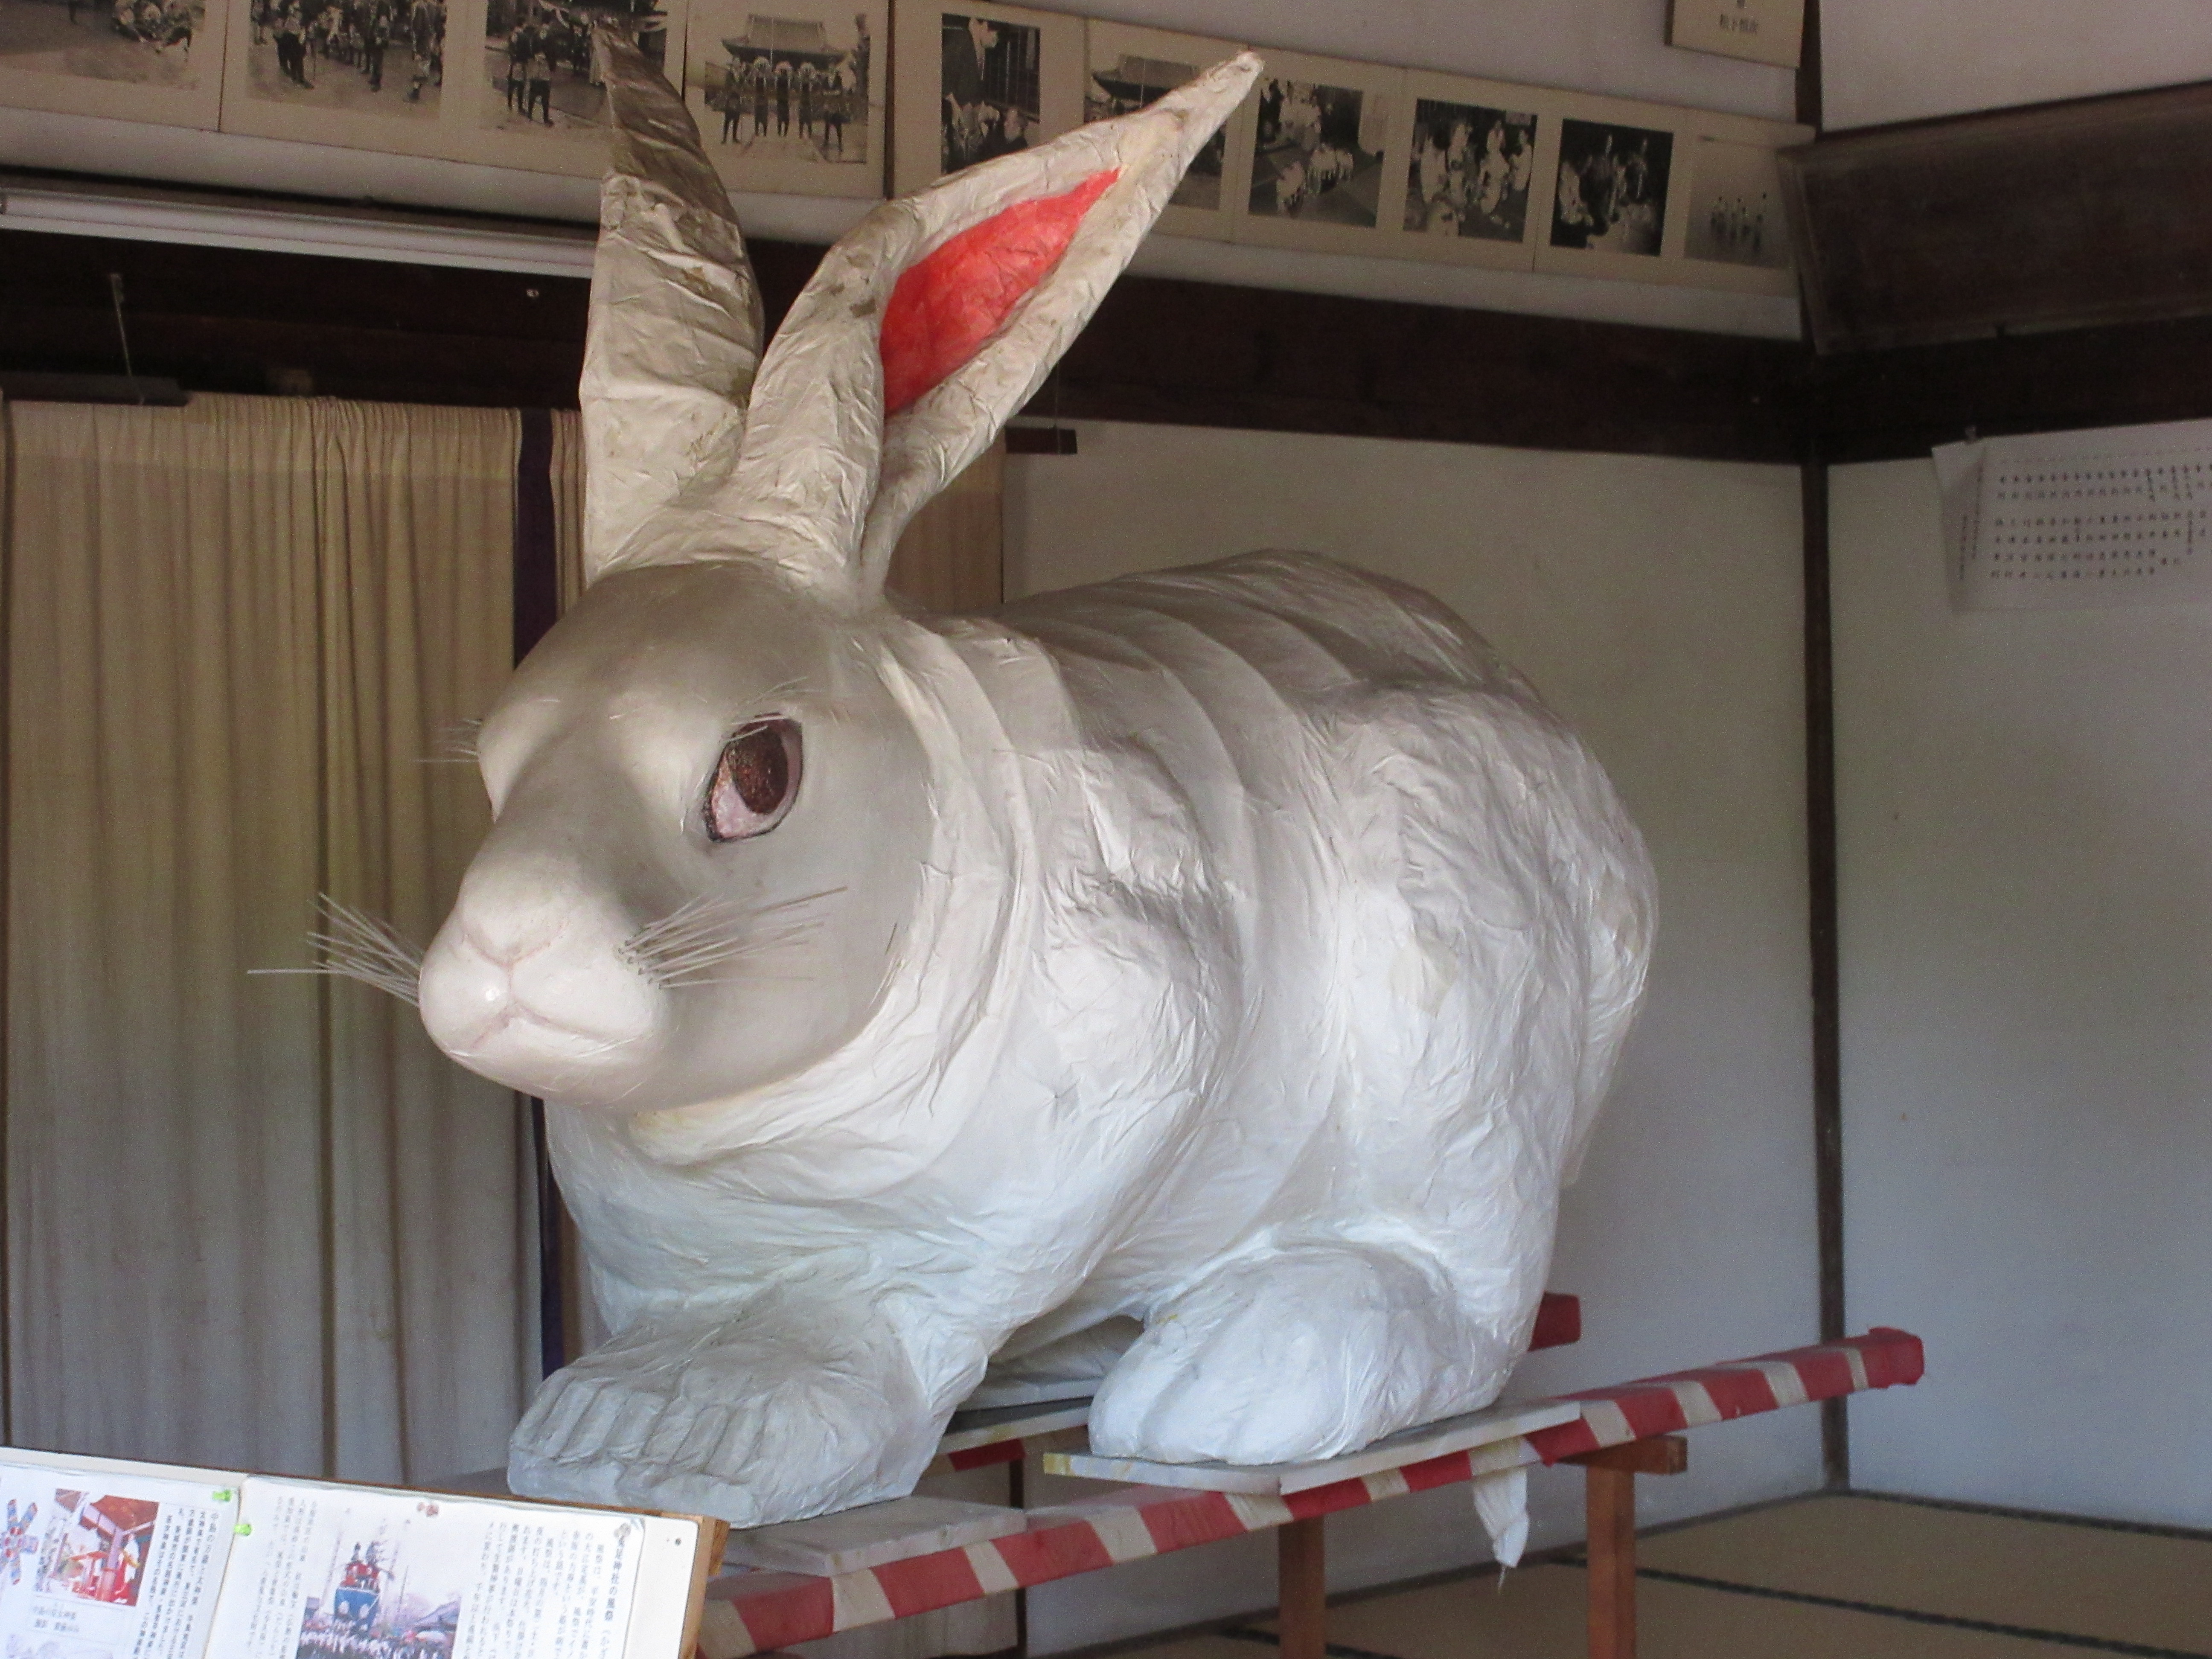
(1764, 31)
(2063, 521)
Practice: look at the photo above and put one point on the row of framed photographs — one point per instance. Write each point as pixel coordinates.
(793, 95)
(789, 94)
(1345, 157)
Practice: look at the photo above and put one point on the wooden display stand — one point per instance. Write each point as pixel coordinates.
(888, 1561)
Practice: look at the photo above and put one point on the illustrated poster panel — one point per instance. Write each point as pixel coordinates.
(338, 1573)
(1127, 68)
(366, 74)
(978, 81)
(789, 94)
(1324, 141)
(140, 60)
(101, 1564)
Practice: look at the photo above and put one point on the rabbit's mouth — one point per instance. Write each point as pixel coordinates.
(548, 1024)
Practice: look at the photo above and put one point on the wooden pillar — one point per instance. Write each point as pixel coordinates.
(1302, 1583)
(1610, 1494)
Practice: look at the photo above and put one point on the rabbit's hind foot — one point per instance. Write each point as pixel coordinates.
(753, 1426)
(1292, 1354)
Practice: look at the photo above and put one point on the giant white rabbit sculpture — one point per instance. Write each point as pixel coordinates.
(1197, 986)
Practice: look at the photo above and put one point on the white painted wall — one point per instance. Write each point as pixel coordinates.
(1655, 603)
(1898, 60)
(2026, 843)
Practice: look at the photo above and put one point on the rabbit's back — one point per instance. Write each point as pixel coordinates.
(1410, 884)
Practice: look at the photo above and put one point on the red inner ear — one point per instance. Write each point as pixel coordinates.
(947, 305)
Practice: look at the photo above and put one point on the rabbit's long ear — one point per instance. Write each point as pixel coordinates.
(674, 333)
(935, 320)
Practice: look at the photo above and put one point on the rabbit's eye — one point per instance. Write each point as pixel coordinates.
(754, 781)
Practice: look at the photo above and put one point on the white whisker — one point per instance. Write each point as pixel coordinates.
(683, 947)
(355, 946)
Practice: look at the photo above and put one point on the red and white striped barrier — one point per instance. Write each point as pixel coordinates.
(753, 1613)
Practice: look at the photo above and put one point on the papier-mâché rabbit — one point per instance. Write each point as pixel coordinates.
(1238, 951)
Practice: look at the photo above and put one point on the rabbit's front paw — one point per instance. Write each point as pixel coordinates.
(1284, 1356)
(732, 1422)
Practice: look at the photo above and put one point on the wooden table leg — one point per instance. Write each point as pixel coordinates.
(1610, 1493)
(1302, 1585)
(1611, 1498)
(1017, 1495)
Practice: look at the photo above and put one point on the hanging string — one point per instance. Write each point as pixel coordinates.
(123, 334)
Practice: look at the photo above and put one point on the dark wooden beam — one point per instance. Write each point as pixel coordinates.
(224, 320)
(1200, 354)
(2082, 213)
(1889, 405)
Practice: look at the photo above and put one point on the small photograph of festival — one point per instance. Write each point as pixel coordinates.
(1122, 81)
(365, 57)
(1613, 187)
(94, 1549)
(1735, 206)
(1470, 170)
(993, 89)
(148, 42)
(1317, 153)
(538, 59)
(793, 85)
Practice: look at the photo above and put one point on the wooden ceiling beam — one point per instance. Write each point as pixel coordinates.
(1189, 352)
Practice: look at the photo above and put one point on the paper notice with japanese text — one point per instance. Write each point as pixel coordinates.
(324, 1571)
(100, 1560)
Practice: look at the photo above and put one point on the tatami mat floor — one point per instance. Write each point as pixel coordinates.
(1825, 1577)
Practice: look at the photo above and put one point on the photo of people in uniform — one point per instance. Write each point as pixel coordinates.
(1735, 206)
(537, 57)
(1120, 83)
(1613, 187)
(371, 57)
(993, 98)
(782, 88)
(1469, 170)
(147, 42)
(1317, 153)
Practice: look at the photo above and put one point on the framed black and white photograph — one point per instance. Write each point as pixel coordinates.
(1127, 68)
(1736, 233)
(1325, 136)
(1476, 181)
(144, 60)
(1735, 206)
(977, 82)
(1611, 188)
(792, 98)
(522, 88)
(1468, 170)
(382, 58)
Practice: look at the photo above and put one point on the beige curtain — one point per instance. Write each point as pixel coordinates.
(255, 1222)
